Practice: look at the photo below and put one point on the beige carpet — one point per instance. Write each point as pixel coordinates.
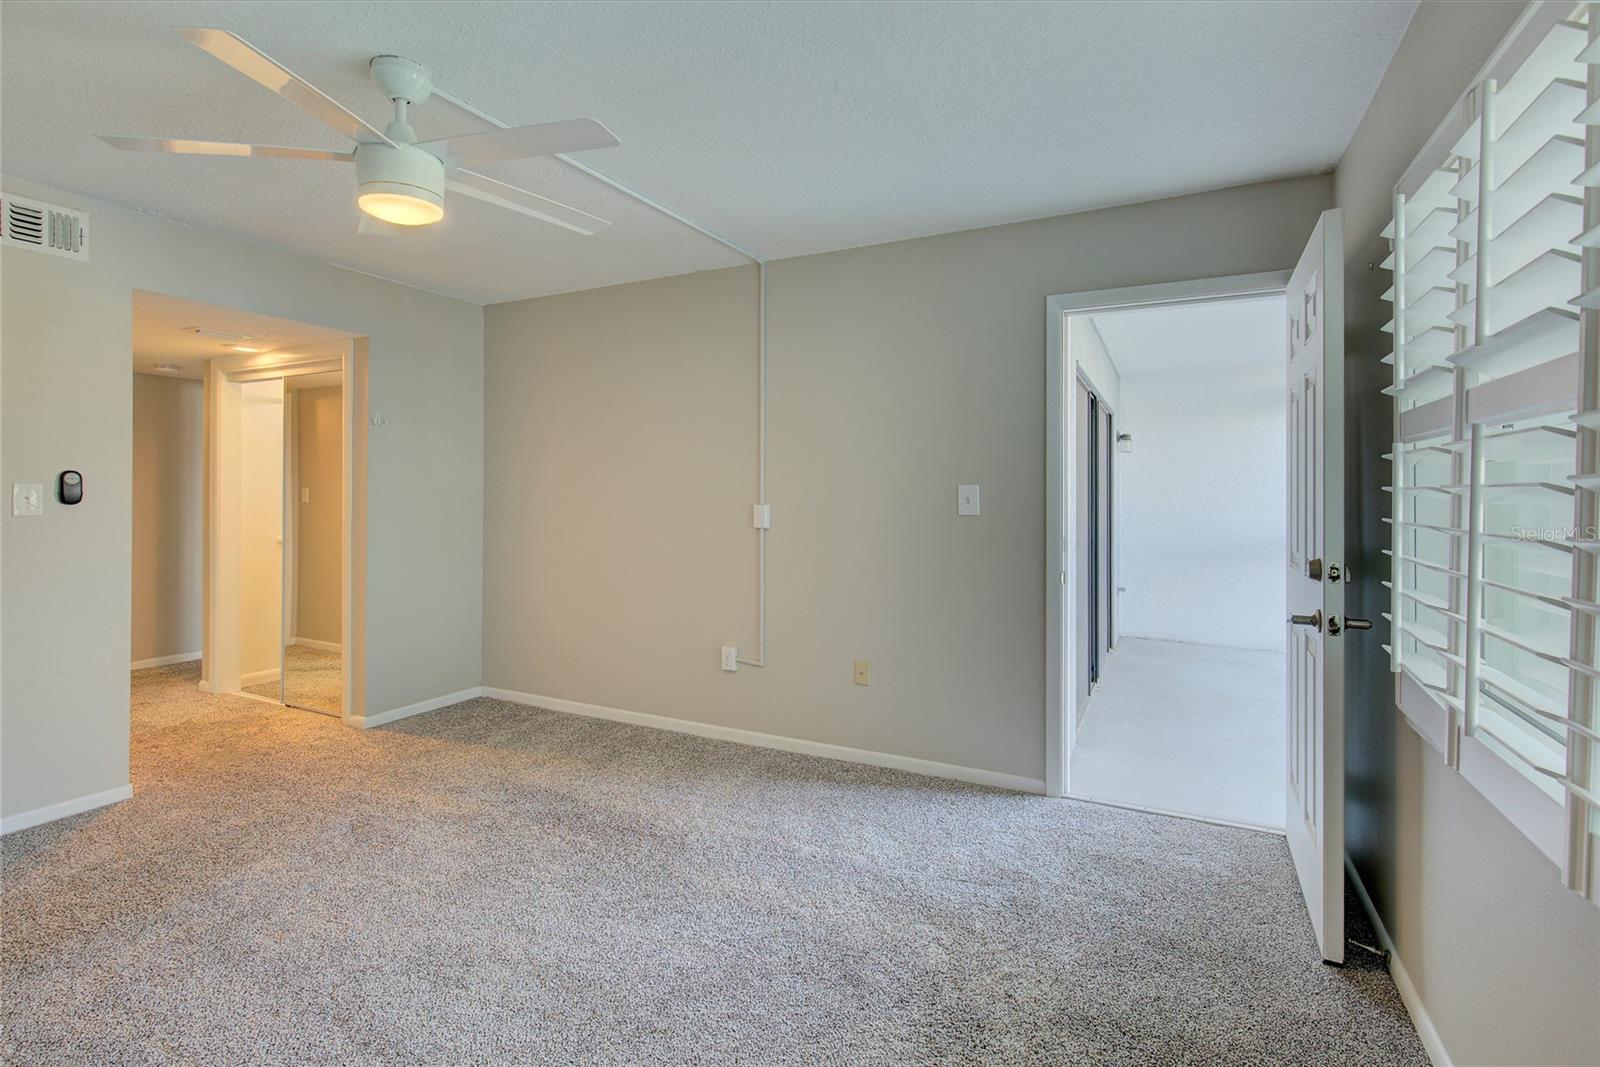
(495, 884)
(313, 678)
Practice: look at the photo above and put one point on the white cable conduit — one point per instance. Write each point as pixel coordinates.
(760, 659)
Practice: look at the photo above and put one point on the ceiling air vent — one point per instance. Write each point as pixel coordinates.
(44, 227)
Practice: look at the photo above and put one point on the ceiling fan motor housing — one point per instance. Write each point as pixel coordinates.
(403, 171)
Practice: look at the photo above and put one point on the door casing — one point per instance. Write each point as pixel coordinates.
(1061, 376)
(219, 665)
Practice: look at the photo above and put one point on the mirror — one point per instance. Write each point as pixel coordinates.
(313, 529)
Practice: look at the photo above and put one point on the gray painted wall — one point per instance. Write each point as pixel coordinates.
(1506, 961)
(168, 516)
(620, 430)
(67, 392)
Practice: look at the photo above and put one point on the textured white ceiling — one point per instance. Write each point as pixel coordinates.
(1219, 335)
(790, 128)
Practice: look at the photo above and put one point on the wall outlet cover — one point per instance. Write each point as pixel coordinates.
(863, 672)
(730, 658)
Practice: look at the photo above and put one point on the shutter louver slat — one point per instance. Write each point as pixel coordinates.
(1496, 294)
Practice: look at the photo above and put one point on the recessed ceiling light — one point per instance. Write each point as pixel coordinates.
(166, 366)
(220, 335)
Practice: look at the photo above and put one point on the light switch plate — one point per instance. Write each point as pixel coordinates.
(27, 499)
(863, 672)
(966, 500)
(730, 658)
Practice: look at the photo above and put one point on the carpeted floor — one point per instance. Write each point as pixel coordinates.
(490, 883)
(314, 678)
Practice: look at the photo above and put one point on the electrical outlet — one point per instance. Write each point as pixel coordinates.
(730, 658)
(863, 672)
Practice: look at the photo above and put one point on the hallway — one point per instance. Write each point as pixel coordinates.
(1188, 729)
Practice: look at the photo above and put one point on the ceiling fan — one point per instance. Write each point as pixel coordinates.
(400, 182)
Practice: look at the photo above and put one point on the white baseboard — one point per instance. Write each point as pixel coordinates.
(1432, 1043)
(325, 646)
(258, 677)
(76, 806)
(367, 722)
(777, 741)
(164, 661)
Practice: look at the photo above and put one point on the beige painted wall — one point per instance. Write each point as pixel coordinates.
(318, 452)
(260, 530)
(168, 463)
(66, 336)
(1506, 961)
(620, 431)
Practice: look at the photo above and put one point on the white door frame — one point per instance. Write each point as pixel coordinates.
(1060, 515)
(219, 664)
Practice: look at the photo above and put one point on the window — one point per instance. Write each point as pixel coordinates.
(1496, 463)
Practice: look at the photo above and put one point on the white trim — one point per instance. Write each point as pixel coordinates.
(164, 661)
(1060, 729)
(76, 806)
(1432, 1043)
(931, 768)
(367, 722)
(325, 646)
(258, 677)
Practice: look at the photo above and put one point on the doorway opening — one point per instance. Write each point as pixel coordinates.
(1170, 638)
(247, 478)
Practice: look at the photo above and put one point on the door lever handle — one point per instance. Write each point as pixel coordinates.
(1314, 620)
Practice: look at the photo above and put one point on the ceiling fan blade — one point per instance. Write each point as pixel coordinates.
(522, 142)
(266, 71)
(482, 187)
(181, 147)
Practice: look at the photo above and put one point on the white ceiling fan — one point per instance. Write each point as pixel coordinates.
(400, 183)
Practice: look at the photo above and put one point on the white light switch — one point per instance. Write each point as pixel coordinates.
(305, 494)
(966, 500)
(27, 499)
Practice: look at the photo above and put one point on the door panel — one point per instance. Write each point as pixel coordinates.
(1314, 756)
(1105, 593)
(1080, 565)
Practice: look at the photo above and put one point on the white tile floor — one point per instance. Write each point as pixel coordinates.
(1190, 729)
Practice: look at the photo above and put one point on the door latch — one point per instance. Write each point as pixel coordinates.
(1335, 627)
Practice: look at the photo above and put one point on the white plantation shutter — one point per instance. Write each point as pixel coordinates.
(1496, 464)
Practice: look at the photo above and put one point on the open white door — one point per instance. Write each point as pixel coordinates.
(1317, 571)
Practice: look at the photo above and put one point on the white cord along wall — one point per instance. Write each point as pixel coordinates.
(762, 512)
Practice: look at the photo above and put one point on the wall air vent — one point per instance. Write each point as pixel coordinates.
(44, 227)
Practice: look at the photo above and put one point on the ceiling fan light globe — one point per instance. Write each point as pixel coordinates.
(402, 185)
(411, 208)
